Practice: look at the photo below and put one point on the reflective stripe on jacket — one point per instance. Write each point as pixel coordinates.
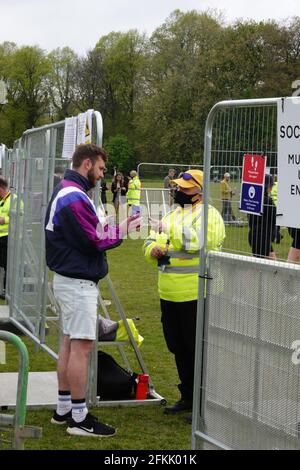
(134, 191)
(178, 281)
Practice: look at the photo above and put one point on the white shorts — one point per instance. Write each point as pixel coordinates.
(78, 300)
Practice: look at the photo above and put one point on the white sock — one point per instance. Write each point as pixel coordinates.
(64, 404)
(79, 410)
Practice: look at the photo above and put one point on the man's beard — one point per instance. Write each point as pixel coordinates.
(91, 177)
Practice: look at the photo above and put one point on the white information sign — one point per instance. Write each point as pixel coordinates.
(69, 137)
(84, 127)
(288, 136)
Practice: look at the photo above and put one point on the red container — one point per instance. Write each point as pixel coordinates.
(142, 387)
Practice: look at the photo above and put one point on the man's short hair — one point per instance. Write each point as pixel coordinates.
(59, 170)
(87, 151)
(3, 183)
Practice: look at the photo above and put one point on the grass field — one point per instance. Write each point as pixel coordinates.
(143, 427)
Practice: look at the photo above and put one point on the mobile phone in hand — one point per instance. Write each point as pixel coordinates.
(135, 210)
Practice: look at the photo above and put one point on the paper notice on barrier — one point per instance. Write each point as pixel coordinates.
(69, 143)
(81, 120)
(84, 129)
(88, 127)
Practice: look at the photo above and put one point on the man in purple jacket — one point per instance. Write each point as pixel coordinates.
(76, 243)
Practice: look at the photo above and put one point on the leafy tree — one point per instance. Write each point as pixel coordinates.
(178, 96)
(61, 81)
(25, 73)
(111, 79)
(120, 153)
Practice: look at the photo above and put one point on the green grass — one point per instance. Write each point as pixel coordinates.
(142, 427)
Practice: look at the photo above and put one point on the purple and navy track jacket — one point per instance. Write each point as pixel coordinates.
(75, 240)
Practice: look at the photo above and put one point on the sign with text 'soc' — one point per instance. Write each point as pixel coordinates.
(288, 140)
(253, 178)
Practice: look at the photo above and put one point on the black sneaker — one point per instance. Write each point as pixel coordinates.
(90, 426)
(61, 419)
(181, 405)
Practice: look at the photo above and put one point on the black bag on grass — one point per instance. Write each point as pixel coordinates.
(113, 381)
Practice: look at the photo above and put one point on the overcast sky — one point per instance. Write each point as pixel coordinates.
(79, 24)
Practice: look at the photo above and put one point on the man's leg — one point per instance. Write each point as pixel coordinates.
(186, 353)
(223, 208)
(78, 303)
(62, 364)
(78, 367)
(173, 333)
(64, 404)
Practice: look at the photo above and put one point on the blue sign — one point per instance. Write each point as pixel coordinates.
(251, 198)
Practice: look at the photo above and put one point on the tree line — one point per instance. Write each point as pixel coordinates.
(154, 93)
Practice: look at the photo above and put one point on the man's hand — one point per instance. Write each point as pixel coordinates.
(157, 252)
(131, 224)
(157, 225)
(2, 220)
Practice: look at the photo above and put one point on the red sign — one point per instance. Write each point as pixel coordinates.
(254, 169)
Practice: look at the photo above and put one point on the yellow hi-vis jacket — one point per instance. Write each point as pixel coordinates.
(4, 212)
(178, 281)
(274, 193)
(134, 191)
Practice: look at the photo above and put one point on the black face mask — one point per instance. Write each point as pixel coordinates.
(183, 199)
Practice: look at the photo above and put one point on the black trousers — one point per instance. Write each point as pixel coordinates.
(3, 256)
(179, 327)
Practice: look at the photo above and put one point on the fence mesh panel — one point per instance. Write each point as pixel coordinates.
(251, 392)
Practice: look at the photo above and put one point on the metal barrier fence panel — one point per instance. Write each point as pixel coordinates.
(251, 394)
(13, 430)
(32, 164)
(156, 172)
(233, 129)
(33, 308)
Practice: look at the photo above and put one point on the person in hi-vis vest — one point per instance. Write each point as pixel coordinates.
(173, 246)
(5, 199)
(133, 195)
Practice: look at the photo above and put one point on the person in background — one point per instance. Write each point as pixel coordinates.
(274, 196)
(119, 191)
(5, 200)
(76, 245)
(58, 175)
(226, 195)
(103, 192)
(173, 246)
(134, 193)
(169, 178)
(262, 227)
